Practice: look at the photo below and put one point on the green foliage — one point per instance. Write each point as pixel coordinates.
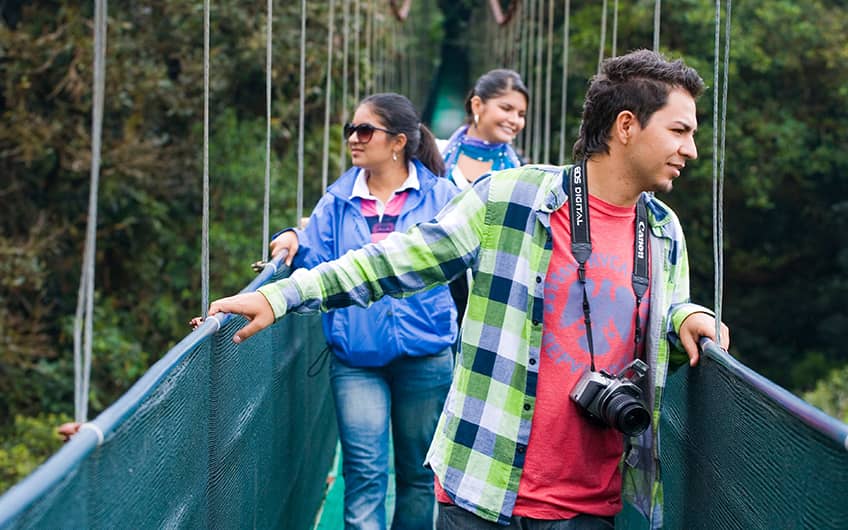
(26, 444)
(831, 394)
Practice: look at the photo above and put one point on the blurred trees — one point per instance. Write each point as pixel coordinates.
(786, 175)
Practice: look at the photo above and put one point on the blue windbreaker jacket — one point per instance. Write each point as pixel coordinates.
(422, 324)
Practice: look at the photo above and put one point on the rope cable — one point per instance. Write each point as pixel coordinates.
(302, 112)
(204, 267)
(564, 97)
(325, 155)
(266, 204)
(657, 9)
(357, 47)
(603, 35)
(369, 47)
(531, 71)
(615, 29)
(85, 296)
(522, 66)
(537, 110)
(345, 40)
(548, 81)
(719, 159)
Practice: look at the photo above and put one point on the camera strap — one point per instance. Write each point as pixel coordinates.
(581, 249)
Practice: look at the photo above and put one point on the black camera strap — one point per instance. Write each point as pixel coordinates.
(581, 249)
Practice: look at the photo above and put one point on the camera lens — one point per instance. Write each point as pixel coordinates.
(627, 414)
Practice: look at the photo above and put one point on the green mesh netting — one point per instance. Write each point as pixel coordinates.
(739, 452)
(230, 437)
(735, 458)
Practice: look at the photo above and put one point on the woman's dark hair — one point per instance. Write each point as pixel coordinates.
(495, 83)
(398, 114)
(639, 82)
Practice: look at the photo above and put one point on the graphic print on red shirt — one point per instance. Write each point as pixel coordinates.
(572, 465)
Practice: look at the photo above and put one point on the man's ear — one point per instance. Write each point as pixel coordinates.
(625, 126)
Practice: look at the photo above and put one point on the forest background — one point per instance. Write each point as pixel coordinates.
(786, 206)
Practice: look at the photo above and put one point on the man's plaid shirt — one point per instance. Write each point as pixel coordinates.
(500, 229)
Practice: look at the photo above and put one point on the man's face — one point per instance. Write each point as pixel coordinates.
(659, 151)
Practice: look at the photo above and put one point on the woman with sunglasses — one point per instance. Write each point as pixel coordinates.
(391, 363)
(495, 110)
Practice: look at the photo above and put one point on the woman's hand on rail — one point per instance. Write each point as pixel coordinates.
(253, 306)
(286, 241)
(699, 325)
(68, 430)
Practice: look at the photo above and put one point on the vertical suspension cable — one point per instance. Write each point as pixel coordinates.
(603, 35)
(204, 266)
(266, 204)
(523, 70)
(657, 9)
(718, 160)
(499, 41)
(531, 71)
(85, 296)
(325, 160)
(369, 47)
(390, 55)
(615, 29)
(564, 97)
(548, 80)
(537, 112)
(299, 214)
(346, 40)
(357, 33)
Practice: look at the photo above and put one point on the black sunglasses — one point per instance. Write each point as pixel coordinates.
(364, 131)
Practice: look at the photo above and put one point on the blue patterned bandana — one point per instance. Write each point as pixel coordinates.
(501, 155)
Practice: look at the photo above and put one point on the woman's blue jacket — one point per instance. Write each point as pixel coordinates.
(422, 324)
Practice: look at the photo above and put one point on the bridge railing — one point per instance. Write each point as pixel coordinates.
(738, 451)
(214, 435)
(219, 435)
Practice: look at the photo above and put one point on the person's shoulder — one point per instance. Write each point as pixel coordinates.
(661, 215)
(529, 173)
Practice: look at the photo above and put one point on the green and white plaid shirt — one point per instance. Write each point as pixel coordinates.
(500, 229)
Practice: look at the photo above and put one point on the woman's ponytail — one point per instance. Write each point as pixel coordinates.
(428, 152)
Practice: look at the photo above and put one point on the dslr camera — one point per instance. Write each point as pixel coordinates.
(615, 401)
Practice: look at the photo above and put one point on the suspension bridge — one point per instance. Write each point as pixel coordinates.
(219, 435)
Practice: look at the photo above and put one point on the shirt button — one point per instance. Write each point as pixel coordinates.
(520, 449)
(538, 279)
(536, 322)
(527, 406)
(532, 361)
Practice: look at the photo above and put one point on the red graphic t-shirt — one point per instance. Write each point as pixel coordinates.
(572, 465)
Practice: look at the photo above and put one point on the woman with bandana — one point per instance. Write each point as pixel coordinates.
(495, 109)
(495, 113)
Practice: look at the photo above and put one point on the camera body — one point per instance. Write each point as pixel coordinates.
(615, 401)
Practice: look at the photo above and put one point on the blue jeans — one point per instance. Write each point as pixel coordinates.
(409, 393)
